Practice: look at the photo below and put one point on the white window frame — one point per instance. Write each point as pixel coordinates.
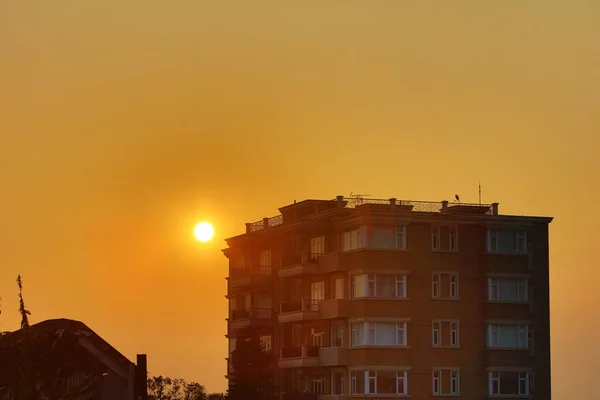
(523, 378)
(369, 329)
(494, 289)
(371, 376)
(400, 233)
(436, 285)
(437, 383)
(453, 234)
(494, 333)
(437, 333)
(521, 246)
(347, 236)
(370, 288)
(317, 245)
(435, 237)
(343, 383)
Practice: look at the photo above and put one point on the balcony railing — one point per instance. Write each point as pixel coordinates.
(302, 305)
(253, 312)
(244, 272)
(305, 257)
(299, 352)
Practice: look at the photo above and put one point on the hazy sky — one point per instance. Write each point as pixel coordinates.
(122, 123)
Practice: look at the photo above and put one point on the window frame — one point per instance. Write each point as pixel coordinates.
(437, 333)
(525, 378)
(493, 294)
(453, 283)
(493, 334)
(369, 330)
(371, 376)
(520, 241)
(371, 279)
(437, 380)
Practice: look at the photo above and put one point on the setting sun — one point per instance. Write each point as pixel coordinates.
(204, 231)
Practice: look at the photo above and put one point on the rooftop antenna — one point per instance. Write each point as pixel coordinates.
(358, 198)
(457, 197)
(479, 192)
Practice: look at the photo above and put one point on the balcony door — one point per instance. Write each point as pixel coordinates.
(317, 294)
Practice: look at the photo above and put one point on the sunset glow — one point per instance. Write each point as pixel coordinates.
(204, 232)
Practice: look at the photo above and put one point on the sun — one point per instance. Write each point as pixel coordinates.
(204, 232)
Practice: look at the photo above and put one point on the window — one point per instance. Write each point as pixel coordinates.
(337, 288)
(231, 346)
(337, 383)
(377, 237)
(387, 334)
(353, 240)
(266, 342)
(265, 262)
(384, 382)
(530, 342)
(444, 238)
(444, 285)
(444, 333)
(317, 384)
(446, 382)
(530, 299)
(389, 286)
(317, 246)
(337, 334)
(317, 293)
(507, 336)
(506, 241)
(507, 289)
(509, 383)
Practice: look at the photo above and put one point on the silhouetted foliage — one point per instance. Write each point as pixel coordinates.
(165, 388)
(216, 396)
(253, 376)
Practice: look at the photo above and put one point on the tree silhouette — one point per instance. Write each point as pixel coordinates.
(165, 388)
(253, 376)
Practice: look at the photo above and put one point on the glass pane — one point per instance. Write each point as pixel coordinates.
(385, 334)
(386, 382)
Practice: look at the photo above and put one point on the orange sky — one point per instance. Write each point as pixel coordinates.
(124, 122)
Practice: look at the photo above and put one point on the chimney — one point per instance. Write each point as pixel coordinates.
(340, 201)
(495, 208)
(444, 205)
(393, 203)
(141, 378)
(248, 227)
(265, 223)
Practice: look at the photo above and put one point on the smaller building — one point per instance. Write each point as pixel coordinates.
(94, 368)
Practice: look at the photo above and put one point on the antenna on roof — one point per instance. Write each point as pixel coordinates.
(457, 197)
(358, 198)
(479, 192)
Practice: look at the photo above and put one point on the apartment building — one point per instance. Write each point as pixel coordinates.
(363, 298)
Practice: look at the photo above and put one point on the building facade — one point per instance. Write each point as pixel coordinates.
(389, 298)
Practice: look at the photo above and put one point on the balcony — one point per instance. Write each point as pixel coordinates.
(309, 264)
(245, 277)
(255, 317)
(306, 264)
(333, 356)
(299, 357)
(303, 310)
(333, 308)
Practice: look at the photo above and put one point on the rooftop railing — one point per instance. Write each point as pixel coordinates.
(404, 205)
